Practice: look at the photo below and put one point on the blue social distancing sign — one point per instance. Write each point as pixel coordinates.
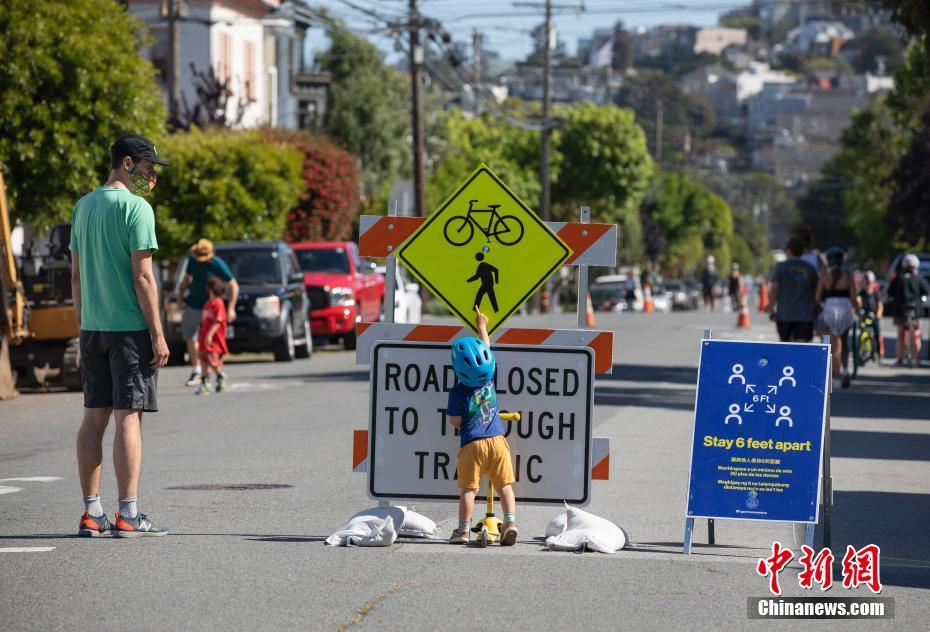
(758, 431)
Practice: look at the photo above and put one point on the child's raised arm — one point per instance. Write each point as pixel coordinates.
(481, 322)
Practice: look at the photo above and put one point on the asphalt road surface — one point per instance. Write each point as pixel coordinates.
(255, 559)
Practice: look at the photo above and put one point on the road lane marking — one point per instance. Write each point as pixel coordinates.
(6, 489)
(32, 479)
(26, 549)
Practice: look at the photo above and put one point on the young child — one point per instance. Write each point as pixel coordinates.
(473, 410)
(212, 342)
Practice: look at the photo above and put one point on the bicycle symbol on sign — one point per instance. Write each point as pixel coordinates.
(506, 229)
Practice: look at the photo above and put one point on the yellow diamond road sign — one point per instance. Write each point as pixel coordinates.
(483, 247)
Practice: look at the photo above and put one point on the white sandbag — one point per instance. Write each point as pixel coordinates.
(417, 525)
(380, 535)
(557, 525)
(583, 529)
(369, 525)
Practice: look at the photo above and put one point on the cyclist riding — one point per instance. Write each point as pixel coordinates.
(905, 292)
(871, 308)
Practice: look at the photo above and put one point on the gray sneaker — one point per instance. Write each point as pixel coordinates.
(136, 527)
(460, 536)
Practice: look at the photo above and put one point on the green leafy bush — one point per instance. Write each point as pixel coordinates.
(224, 185)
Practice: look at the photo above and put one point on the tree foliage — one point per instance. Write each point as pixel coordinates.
(683, 114)
(695, 221)
(908, 214)
(328, 207)
(224, 186)
(70, 84)
(367, 109)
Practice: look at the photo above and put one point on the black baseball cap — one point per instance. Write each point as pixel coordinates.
(136, 147)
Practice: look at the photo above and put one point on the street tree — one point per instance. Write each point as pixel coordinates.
(328, 207)
(910, 198)
(695, 221)
(71, 81)
(367, 110)
(225, 185)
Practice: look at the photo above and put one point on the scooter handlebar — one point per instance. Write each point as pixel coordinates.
(510, 416)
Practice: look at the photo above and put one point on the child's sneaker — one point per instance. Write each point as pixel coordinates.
(204, 388)
(194, 379)
(460, 536)
(220, 382)
(93, 526)
(509, 533)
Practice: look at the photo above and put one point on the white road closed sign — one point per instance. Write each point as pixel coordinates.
(412, 446)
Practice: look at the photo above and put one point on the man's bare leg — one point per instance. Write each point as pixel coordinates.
(90, 448)
(127, 451)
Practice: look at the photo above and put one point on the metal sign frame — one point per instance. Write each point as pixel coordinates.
(586, 428)
(825, 488)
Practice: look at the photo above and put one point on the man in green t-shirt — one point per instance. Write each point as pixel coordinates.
(122, 342)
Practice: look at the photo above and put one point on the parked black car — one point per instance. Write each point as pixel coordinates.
(272, 310)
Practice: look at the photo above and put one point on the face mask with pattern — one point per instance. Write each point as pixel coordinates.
(140, 182)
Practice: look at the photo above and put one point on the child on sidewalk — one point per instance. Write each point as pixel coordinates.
(472, 408)
(212, 344)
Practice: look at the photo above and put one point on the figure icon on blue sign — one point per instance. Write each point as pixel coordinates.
(737, 374)
(788, 376)
(734, 415)
(784, 411)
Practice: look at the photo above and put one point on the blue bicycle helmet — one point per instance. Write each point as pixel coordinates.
(472, 362)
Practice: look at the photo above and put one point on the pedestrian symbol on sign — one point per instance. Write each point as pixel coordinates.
(516, 250)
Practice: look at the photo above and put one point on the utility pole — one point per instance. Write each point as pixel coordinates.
(416, 59)
(174, 58)
(476, 63)
(546, 132)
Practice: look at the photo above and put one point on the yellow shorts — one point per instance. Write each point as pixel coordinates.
(489, 456)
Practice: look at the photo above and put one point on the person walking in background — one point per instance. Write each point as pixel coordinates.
(202, 263)
(791, 304)
(709, 282)
(122, 342)
(212, 342)
(810, 254)
(736, 287)
(905, 292)
(871, 306)
(837, 293)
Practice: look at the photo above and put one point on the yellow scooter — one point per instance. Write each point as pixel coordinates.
(488, 529)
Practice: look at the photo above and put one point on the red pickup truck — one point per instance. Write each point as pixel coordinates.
(343, 288)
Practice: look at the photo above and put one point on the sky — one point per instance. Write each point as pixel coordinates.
(505, 27)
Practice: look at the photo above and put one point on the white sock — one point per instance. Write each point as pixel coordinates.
(127, 507)
(197, 370)
(92, 505)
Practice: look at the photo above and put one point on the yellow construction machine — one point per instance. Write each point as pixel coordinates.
(37, 321)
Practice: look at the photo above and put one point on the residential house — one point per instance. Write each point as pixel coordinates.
(255, 47)
(715, 40)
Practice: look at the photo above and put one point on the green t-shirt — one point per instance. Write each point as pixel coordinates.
(107, 226)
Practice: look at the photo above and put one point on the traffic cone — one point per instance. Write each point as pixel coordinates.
(763, 297)
(648, 305)
(742, 321)
(589, 314)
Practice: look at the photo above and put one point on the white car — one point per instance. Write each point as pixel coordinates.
(408, 306)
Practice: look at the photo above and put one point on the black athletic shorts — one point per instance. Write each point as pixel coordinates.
(117, 372)
(795, 331)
